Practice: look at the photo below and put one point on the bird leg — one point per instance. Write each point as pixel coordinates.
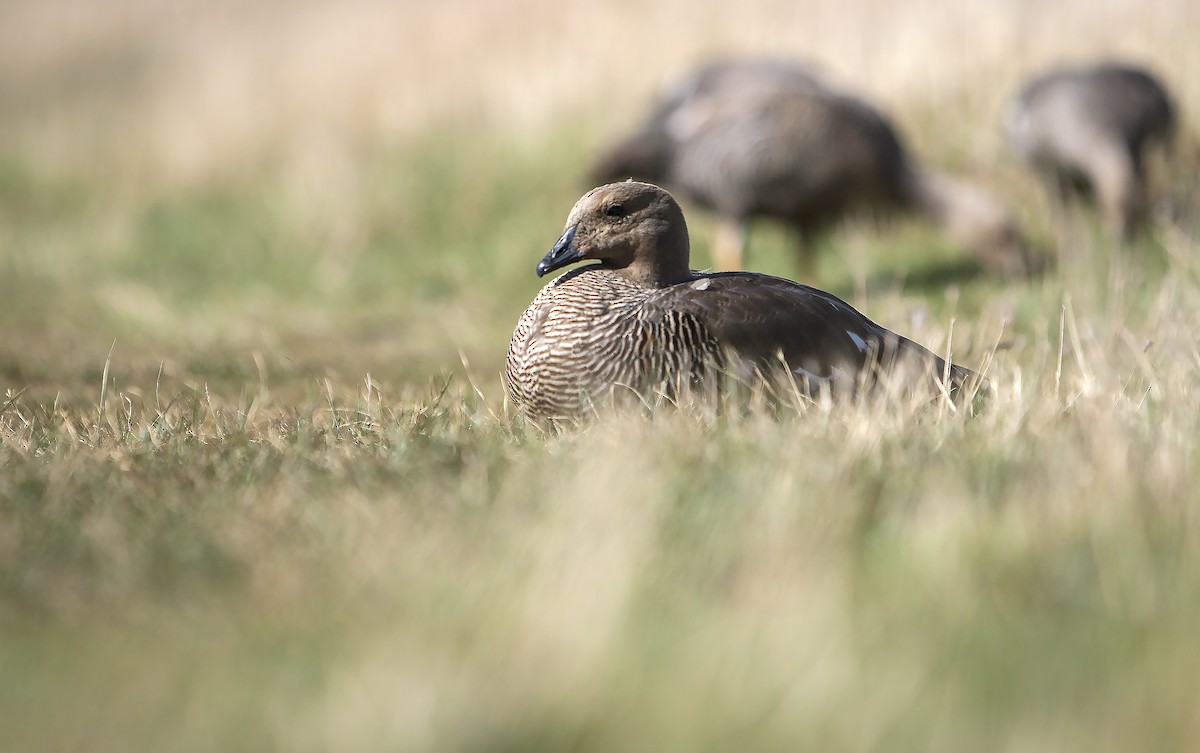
(729, 245)
(1113, 175)
(806, 257)
(1064, 211)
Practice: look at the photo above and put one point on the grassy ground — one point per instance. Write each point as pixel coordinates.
(259, 489)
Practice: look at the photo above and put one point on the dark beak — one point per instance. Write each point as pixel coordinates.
(563, 253)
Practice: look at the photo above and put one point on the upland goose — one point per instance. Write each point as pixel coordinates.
(639, 323)
(1087, 131)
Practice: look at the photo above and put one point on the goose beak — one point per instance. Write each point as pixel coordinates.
(563, 253)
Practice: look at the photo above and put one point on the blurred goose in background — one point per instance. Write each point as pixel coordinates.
(1088, 130)
(640, 323)
(772, 138)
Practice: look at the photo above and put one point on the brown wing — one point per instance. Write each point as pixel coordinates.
(764, 319)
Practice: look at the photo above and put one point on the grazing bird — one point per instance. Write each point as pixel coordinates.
(771, 138)
(640, 322)
(1087, 131)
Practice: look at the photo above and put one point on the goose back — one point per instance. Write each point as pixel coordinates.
(763, 138)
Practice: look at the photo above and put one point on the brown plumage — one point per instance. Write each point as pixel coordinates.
(640, 322)
(1087, 130)
(770, 138)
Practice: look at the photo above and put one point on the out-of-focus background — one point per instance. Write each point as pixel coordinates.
(259, 263)
(377, 178)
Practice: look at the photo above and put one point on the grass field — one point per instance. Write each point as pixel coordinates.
(259, 488)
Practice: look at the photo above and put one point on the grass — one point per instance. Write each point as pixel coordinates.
(259, 489)
(362, 572)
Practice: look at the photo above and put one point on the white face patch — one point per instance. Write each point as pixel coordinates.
(701, 284)
(860, 343)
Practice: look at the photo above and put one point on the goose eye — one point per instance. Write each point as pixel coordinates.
(614, 210)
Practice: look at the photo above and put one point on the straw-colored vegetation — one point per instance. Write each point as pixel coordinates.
(259, 489)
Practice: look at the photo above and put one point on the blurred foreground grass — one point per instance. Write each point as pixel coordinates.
(259, 489)
(360, 572)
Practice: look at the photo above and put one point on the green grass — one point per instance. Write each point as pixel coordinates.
(259, 488)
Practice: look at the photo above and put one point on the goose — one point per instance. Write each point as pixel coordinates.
(639, 322)
(1086, 131)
